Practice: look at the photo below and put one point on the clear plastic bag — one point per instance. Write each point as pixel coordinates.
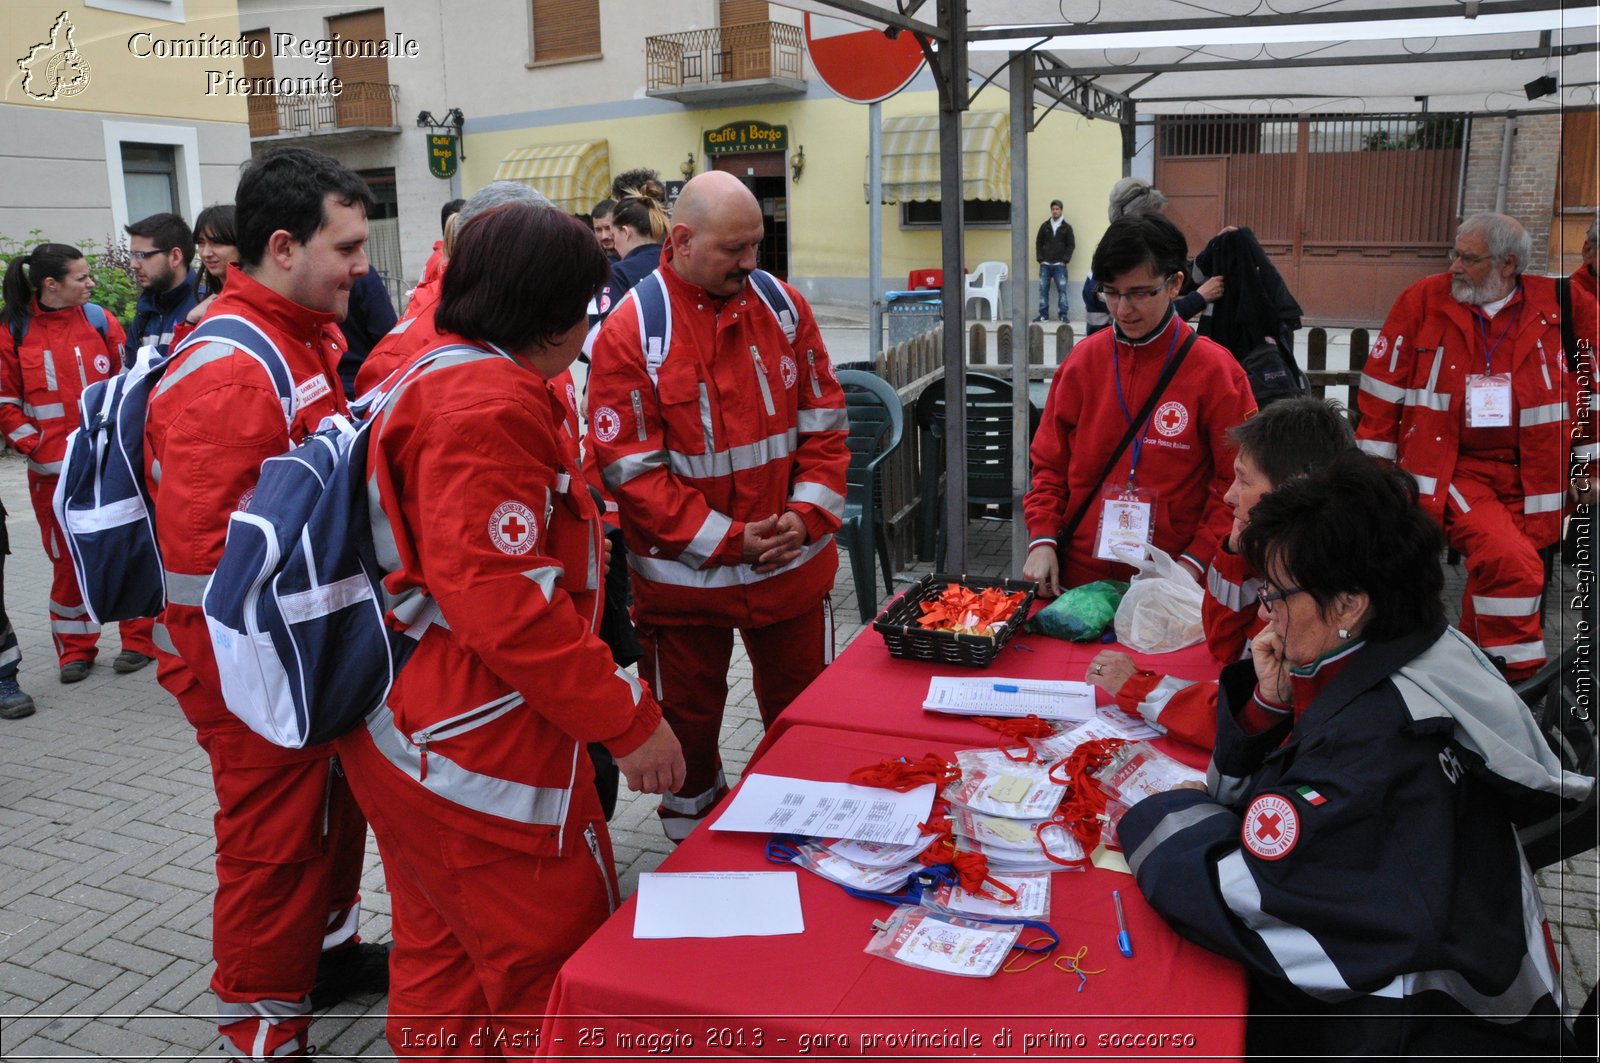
(1161, 611)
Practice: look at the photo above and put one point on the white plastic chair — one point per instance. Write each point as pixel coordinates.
(984, 283)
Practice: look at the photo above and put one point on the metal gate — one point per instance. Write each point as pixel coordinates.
(1351, 208)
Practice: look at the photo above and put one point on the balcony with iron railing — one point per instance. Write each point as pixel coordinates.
(362, 109)
(754, 61)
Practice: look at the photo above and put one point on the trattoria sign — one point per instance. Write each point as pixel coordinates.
(442, 154)
(738, 138)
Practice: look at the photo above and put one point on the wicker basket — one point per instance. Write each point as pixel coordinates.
(906, 638)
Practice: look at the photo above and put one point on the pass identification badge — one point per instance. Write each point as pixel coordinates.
(1489, 401)
(1127, 520)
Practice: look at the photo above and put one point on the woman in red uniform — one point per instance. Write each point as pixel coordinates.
(53, 345)
(492, 836)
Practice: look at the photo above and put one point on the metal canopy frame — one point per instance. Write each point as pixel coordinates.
(1450, 73)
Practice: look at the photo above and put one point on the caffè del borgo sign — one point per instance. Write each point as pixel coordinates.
(738, 138)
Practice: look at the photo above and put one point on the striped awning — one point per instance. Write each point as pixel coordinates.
(575, 175)
(911, 157)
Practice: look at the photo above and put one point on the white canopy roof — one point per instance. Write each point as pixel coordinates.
(1277, 56)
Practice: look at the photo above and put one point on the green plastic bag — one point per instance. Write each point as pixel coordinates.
(1081, 614)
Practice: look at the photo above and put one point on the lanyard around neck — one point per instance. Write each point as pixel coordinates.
(1127, 414)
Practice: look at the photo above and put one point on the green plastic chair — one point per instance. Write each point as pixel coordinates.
(877, 427)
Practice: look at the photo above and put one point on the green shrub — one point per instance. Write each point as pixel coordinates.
(115, 286)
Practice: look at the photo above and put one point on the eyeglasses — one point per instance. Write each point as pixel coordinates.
(1471, 260)
(140, 256)
(1137, 297)
(1269, 600)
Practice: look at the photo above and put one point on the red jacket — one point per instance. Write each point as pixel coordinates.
(491, 517)
(1414, 382)
(1186, 457)
(61, 355)
(213, 419)
(1183, 708)
(739, 425)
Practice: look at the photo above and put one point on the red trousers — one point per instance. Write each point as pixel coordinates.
(74, 634)
(1505, 575)
(290, 843)
(686, 667)
(480, 929)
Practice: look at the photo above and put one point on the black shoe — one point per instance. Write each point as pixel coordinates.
(130, 661)
(14, 703)
(347, 972)
(75, 671)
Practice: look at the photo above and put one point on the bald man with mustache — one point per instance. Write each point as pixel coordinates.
(723, 443)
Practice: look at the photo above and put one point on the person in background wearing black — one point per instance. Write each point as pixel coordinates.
(370, 318)
(14, 702)
(161, 247)
(1053, 248)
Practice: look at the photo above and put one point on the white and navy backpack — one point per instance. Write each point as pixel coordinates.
(102, 502)
(655, 314)
(296, 606)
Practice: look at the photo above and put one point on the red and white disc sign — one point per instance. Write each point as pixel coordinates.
(858, 63)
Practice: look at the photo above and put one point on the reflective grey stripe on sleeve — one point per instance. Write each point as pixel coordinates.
(22, 433)
(694, 804)
(47, 411)
(1170, 826)
(1550, 503)
(1426, 484)
(631, 466)
(1549, 413)
(823, 420)
(1378, 448)
(1379, 389)
(50, 383)
(1305, 963)
(1497, 605)
(818, 495)
(44, 468)
(184, 588)
(1155, 702)
(635, 688)
(7, 400)
(518, 802)
(673, 573)
(1235, 596)
(706, 541)
(545, 579)
(1459, 499)
(211, 352)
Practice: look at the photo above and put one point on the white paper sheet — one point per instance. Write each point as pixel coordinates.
(1048, 699)
(717, 904)
(775, 804)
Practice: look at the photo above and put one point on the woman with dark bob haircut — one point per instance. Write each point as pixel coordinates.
(473, 773)
(1356, 848)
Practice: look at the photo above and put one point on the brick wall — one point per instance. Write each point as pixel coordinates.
(1531, 183)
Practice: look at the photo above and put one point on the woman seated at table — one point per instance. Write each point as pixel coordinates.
(472, 773)
(1167, 486)
(1287, 439)
(1356, 850)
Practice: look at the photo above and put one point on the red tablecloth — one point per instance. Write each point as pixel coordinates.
(865, 689)
(780, 996)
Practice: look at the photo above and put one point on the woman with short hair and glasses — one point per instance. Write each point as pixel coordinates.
(1167, 485)
(1356, 849)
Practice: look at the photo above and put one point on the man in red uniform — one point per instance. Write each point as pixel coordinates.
(51, 350)
(1167, 487)
(726, 452)
(290, 838)
(1289, 438)
(1466, 388)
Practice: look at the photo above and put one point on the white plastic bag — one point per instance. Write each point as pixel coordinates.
(1161, 611)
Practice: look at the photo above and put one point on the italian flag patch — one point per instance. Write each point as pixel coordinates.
(1311, 796)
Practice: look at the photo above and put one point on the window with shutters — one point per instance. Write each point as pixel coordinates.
(263, 108)
(561, 31)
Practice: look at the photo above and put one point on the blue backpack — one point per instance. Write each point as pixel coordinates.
(296, 606)
(655, 314)
(93, 311)
(102, 502)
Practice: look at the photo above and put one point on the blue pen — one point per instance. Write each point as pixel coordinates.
(1006, 688)
(1124, 942)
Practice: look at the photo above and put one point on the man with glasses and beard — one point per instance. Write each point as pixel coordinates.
(1467, 388)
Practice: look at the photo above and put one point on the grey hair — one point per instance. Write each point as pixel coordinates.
(498, 194)
(1503, 235)
(1593, 235)
(1133, 196)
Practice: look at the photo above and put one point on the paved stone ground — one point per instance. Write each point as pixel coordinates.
(106, 847)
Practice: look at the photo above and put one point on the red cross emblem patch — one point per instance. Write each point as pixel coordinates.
(1271, 827)
(1171, 418)
(1380, 348)
(606, 424)
(789, 371)
(511, 528)
(102, 364)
